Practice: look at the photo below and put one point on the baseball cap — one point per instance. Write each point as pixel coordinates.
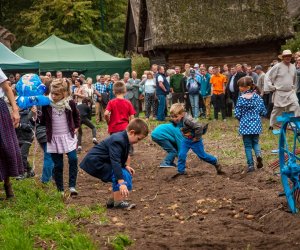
(196, 65)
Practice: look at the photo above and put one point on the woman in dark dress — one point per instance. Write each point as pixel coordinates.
(10, 155)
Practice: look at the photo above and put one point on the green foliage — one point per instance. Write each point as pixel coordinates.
(293, 44)
(140, 64)
(77, 21)
(120, 242)
(38, 218)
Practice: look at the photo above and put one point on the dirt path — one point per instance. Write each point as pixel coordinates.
(194, 211)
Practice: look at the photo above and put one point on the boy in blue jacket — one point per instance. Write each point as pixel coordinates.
(107, 161)
(169, 137)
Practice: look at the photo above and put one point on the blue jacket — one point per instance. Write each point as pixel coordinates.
(205, 89)
(108, 157)
(248, 110)
(168, 132)
(193, 85)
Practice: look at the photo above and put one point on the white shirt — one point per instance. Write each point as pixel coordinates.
(3, 78)
(160, 79)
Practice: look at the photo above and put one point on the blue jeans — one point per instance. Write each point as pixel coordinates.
(161, 107)
(58, 160)
(171, 150)
(251, 142)
(198, 149)
(194, 100)
(47, 166)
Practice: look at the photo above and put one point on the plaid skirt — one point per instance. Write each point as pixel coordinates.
(10, 154)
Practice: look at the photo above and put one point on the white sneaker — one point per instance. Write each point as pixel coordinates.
(73, 191)
(95, 141)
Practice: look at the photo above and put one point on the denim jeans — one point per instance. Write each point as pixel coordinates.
(171, 150)
(58, 160)
(251, 142)
(194, 100)
(161, 108)
(47, 166)
(198, 149)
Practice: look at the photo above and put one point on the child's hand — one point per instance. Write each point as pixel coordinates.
(130, 170)
(76, 130)
(124, 191)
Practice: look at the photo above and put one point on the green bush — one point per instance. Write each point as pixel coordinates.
(139, 64)
(293, 44)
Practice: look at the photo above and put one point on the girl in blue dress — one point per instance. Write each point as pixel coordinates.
(249, 109)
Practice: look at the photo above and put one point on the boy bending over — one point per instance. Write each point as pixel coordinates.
(107, 161)
(192, 132)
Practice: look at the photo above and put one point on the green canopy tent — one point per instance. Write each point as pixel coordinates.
(57, 54)
(10, 62)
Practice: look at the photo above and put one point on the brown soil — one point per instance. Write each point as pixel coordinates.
(197, 211)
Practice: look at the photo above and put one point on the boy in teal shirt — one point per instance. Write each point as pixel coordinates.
(169, 137)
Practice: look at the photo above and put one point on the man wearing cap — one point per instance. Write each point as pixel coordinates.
(196, 68)
(282, 82)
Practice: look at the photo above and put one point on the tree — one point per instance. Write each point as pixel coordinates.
(77, 21)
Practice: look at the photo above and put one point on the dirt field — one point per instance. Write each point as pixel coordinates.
(200, 210)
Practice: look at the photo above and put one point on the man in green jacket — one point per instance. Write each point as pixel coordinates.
(177, 86)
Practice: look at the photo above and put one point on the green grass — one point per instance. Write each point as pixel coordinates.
(120, 242)
(38, 219)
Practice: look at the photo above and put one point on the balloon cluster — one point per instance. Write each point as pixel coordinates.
(31, 91)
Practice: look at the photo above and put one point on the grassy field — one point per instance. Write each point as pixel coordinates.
(39, 219)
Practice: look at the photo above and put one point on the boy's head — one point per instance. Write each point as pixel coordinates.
(177, 112)
(119, 88)
(137, 130)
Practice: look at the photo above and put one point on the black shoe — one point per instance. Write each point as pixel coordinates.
(271, 128)
(110, 203)
(95, 141)
(179, 174)
(8, 191)
(250, 169)
(259, 162)
(219, 169)
(30, 174)
(125, 205)
(21, 177)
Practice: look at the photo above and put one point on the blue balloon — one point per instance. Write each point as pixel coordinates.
(25, 102)
(31, 91)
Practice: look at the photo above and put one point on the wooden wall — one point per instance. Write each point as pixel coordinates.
(253, 54)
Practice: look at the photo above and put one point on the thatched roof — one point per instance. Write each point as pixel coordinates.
(6, 37)
(294, 8)
(205, 23)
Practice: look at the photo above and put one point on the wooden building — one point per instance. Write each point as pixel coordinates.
(6, 37)
(174, 32)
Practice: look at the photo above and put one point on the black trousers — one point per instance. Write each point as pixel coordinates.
(219, 105)
(177, 97)
(89, 124)
(24, 154)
